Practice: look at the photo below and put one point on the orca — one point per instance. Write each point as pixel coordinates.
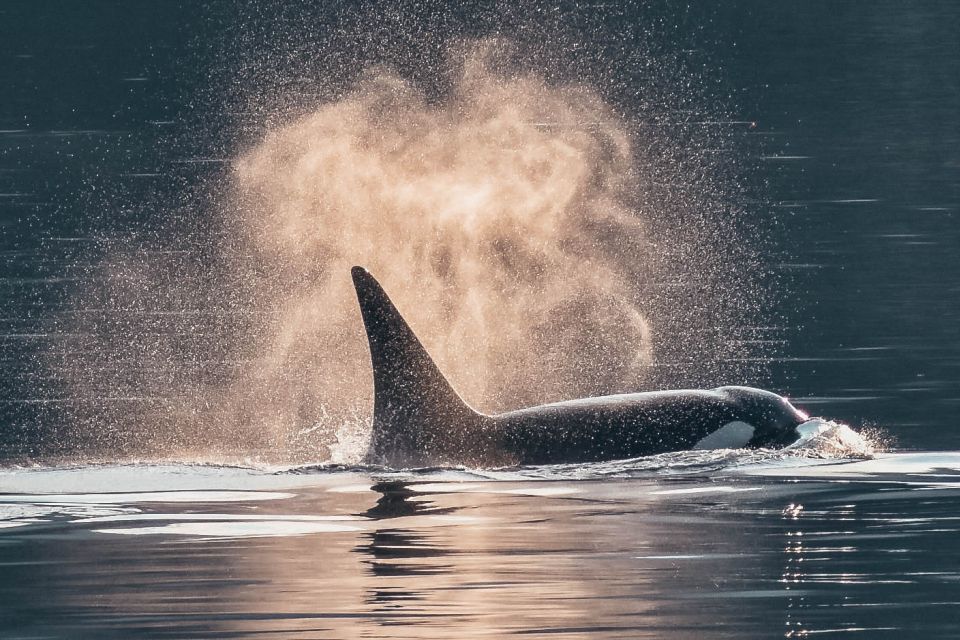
(419, 419)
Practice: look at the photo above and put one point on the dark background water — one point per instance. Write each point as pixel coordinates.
(856, 142)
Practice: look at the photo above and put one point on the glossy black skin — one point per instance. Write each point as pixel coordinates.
(419, 419)
(639, 424)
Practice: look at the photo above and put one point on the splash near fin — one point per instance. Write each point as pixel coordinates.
(418, 418)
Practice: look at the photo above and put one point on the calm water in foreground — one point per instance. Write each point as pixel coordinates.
(719, 545)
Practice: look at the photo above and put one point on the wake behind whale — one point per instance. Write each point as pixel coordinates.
(420, 420)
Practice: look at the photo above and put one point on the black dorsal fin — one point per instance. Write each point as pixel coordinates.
(418, 418)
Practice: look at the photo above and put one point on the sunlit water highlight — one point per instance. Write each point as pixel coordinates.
(702, 544)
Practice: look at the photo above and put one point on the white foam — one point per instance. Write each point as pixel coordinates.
(214, 517)
(692, 490)
(146, 496)
(830, 439)
(935, 469)
(239, 529)
(465, 487)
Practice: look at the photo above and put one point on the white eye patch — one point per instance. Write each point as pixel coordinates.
(732, 435)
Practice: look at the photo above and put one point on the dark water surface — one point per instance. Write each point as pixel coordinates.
(856, 141)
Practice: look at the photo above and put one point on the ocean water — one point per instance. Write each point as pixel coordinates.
(117, 116)
(721, 544)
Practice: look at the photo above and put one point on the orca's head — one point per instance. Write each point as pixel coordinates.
(773, 419)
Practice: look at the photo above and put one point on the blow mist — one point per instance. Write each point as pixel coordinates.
(511, 220)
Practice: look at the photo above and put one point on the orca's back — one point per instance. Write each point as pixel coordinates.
(611, 427)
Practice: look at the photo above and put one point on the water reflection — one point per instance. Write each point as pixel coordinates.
(394, 553)
(397, 499)
(856, 564)
(639, 558)
(396, 550)
(432, 569)
(793, 559)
